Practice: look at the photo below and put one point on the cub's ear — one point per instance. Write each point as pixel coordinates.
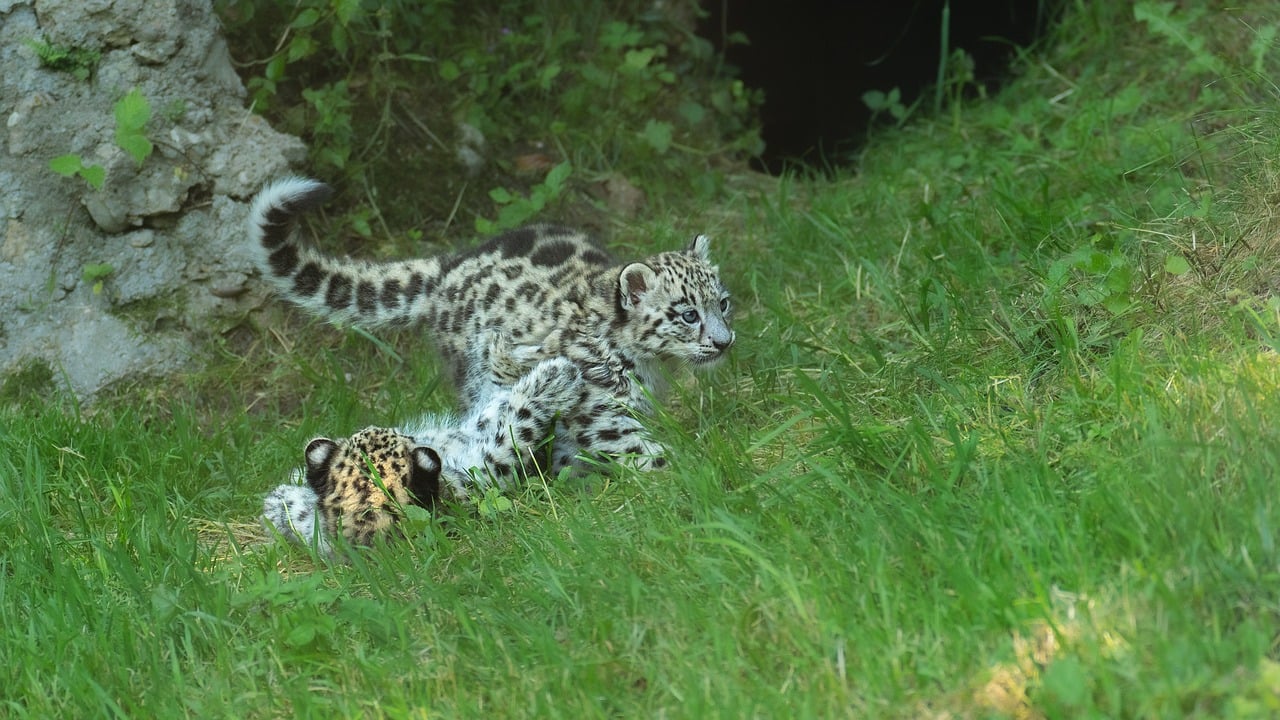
(319, 452)
(636, 280)
(319, 455)
(426, 459)
(701, 246)
(424, 478)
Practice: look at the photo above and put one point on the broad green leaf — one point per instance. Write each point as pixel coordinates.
(345, 10)
(66, 165)
(301, 634)
(301, 46)
(875, 100)
(305, 19)
(639, 59)
(1176, 265)
(516, 214)
(132, 111)
(547, 75)
(136, 144)
(557, 176)
(658, 134)
(338, 39)
(494, 503)
(95, 272)
(692, 112)
(95, 175)
(1117, 304)
(275, 68)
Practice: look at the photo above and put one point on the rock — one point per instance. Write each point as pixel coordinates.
(620, 195)
(469, 151)
(169, 230)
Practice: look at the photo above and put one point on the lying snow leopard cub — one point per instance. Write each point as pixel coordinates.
(551, 290)
(342, 496)
(357, 486)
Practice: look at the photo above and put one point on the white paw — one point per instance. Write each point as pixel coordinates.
(292, 511)
(652, 457)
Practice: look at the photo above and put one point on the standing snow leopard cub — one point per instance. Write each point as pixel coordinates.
(356, 487)
(552, 291)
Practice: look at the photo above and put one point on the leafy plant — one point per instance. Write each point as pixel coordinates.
(890, 102)
(72, 164)
(1091, 276)
(493, 503)
(331, 128)
(515, 209)
(96, 273)
(132, 113)
(79, 62)
(1174, 25)
(596, 87)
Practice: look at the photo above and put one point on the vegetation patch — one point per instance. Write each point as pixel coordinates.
(80, 62)
(437, 110)
(30, 382)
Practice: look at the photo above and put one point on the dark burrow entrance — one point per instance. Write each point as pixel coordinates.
(815, 59)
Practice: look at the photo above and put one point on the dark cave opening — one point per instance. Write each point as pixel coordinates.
(814, 60)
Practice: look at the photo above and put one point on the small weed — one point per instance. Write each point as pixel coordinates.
(72, 164)
(96, 273)
(174, 110)
(1175, 26)
(515, 210)
(331, 126)
(132, 113)
(1106, 278)
(494, 503)
(891, 102)
(79, 62)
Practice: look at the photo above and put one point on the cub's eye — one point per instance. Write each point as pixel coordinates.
(724, 305)
(689, 316)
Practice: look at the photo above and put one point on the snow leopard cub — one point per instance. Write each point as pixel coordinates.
(551, 290)
(357, 486)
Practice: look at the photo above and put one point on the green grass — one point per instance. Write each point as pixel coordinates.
(983, 450)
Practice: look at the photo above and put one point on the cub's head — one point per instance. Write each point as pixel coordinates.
(675, 307)
(363, 481)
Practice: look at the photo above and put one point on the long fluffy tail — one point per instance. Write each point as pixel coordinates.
(343, 290)
(275, 212)
(272, 223)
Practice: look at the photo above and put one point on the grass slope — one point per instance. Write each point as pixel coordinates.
(997, 441)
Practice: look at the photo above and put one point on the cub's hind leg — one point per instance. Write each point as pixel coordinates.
(605, 432)
(512, 430)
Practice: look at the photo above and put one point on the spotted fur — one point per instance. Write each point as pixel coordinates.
(549, 290)
(356, 487)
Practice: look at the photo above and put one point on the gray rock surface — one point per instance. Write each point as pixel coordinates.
(171, 229)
